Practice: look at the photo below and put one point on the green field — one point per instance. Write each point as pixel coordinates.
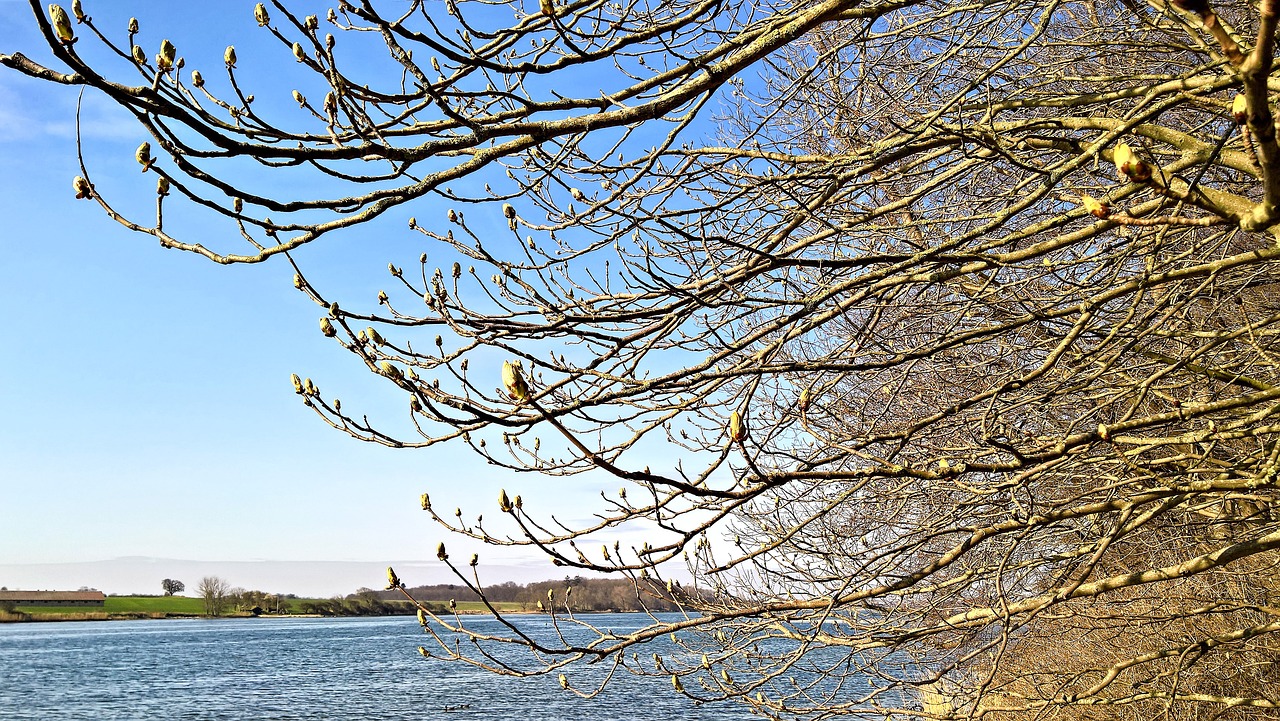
(161, 606)
(155, 604)
(145, 605)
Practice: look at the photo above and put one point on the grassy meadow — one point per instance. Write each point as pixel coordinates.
(185, 606)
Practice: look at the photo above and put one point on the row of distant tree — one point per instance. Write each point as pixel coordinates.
(572, 593)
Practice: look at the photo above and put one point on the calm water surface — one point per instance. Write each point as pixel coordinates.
(306, 668)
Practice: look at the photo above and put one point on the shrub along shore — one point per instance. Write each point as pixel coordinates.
(584, 595)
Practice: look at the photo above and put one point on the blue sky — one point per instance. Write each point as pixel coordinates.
(145, 395)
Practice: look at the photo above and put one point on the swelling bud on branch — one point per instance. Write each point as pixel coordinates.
(143, 156)
(61, 24)
(514, 382)
(1130, 165)
(167, 56)
(82, 188)
(1095, 207)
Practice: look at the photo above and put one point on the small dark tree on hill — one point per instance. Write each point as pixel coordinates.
(172, 586)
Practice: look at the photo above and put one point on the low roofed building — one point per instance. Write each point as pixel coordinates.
(53, 598)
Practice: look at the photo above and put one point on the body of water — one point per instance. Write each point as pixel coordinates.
(305, 668)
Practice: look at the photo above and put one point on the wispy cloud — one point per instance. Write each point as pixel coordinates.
(31, 109)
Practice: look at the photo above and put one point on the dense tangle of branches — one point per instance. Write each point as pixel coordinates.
(938, 339)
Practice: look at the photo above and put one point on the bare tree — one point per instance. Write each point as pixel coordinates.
(216, 593)
(172, 586)
(953, 325)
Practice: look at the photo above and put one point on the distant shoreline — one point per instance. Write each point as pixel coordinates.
(21, 617)
(103, 616)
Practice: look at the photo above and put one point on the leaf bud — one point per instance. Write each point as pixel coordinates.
(61, 24)
(133, 26)
(457, 270)
(382, 297)
(389, 370)
(329, 42)
(333, 310)
(675, 680)
(229, 57)
(82, 188)
(475, 559)
(452, 215)
(299, 53)
(1240, 109)
(299, 98)
(426, 501)
(1095, 207)
(77, 9)
(260, 14)
(1130, 165)
(311, 388)
(519, 502)
(508, 210)
(297, 383)
(197, 79)
(504, 503)
(139, 55)
(237, 205)
(441, 553)
(311, 22)
(515, 384)
(168, 53)
(1103, 432)
(737, 431)
(162, 186)
(564, 681)
(393, 581)
(413, 223)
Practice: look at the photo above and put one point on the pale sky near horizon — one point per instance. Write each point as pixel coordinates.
(147, 408)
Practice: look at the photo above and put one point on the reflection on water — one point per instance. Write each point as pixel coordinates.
(294, 669)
